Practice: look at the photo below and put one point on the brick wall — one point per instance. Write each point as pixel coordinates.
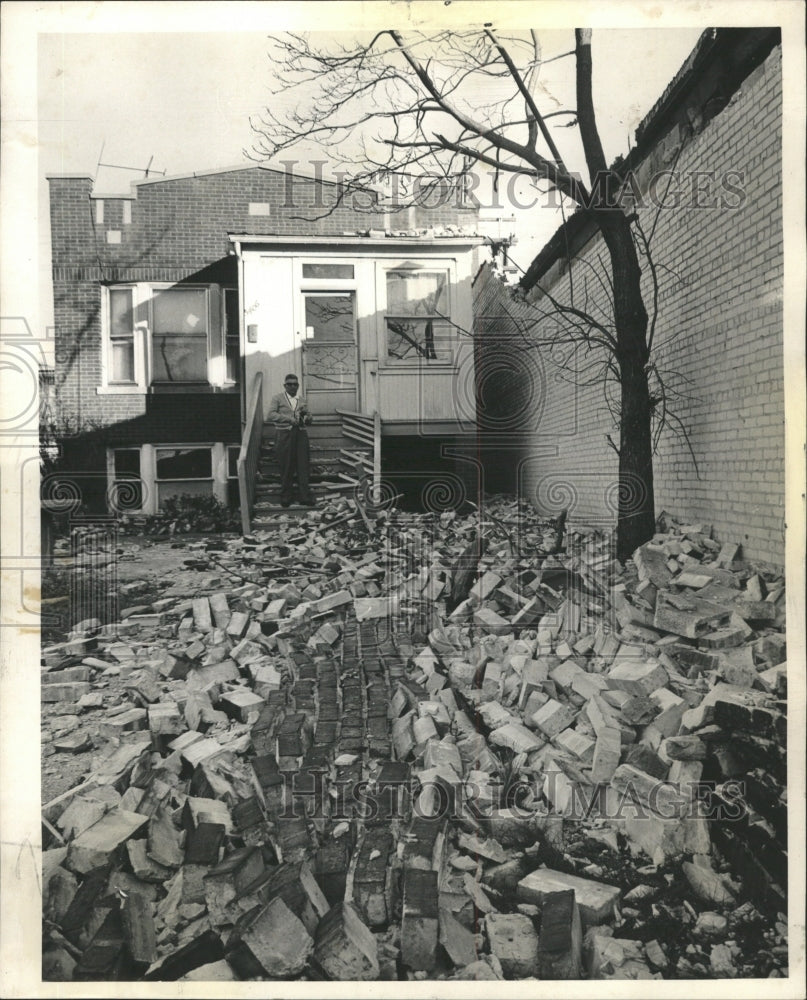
(718, 342)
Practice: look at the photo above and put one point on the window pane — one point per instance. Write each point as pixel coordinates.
(416, 293)
(327, 271)
(123, 361)
(329, 318)
(180, 310)
(184, 463)
(126, 494)
(121, 315)
(179, 359)
(414, 339)
(165, 490)
(127, 462)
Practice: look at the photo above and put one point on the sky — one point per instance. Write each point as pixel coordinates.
(135, 91)
(183, 101)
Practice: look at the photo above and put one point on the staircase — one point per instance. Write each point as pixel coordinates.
(345, 450)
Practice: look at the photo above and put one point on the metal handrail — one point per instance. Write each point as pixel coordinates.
(250, 453)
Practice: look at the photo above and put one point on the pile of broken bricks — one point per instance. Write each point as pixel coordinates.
(429, 751)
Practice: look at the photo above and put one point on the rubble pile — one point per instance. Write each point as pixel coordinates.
(425, 747)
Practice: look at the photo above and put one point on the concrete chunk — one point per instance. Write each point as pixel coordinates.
(419, 926)
(638, 677)
(561, 944)
(97, 845)
(278, 940)
(552, 718)
(202, 618)
(345, 948)
(607, 751)
(595, 899)
(515, 737)
(514, 941)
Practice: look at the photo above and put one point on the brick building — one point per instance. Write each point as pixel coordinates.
(182, 304)
(715, 134)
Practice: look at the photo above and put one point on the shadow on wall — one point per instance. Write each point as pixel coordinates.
(77, 475)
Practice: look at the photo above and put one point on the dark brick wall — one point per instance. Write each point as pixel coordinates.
(719, 340)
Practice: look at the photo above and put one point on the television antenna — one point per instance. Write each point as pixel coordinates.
(118, 166)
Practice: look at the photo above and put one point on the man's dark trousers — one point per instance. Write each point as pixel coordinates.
(293, 456)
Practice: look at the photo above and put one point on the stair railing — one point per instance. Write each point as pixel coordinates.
(366, 429)
(376, 457)
(250, 453)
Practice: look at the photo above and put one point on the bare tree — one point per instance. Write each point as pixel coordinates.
(423, 110)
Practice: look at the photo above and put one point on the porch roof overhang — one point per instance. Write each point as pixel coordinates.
(356, 244)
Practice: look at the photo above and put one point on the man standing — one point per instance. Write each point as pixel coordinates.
(290, 415)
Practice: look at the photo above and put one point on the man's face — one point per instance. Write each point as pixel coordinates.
(291, 386)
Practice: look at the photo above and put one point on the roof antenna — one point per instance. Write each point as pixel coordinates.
(118, 166)
(98, 164)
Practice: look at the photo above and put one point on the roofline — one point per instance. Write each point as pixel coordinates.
(158, 178)
(270, 168)
(204, 173)
(373, 241)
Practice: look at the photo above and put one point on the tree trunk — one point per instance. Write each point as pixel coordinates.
(636, 510)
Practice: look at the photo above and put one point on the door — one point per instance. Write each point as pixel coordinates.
(329, 351)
